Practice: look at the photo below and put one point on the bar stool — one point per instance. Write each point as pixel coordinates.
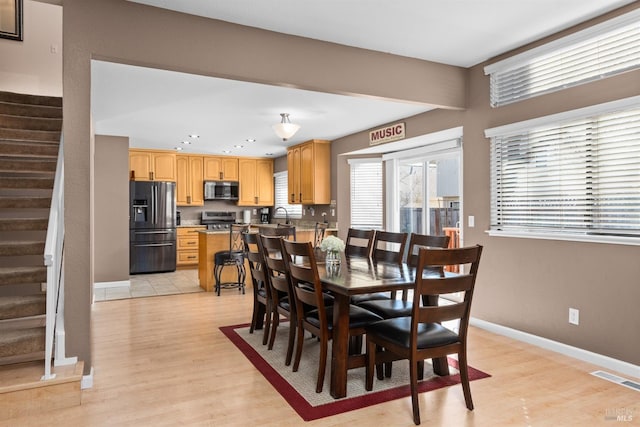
(232, 257)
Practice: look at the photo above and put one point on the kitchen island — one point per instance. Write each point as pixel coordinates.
(212, 241)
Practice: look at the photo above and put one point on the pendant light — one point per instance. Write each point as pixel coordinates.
(285, 129)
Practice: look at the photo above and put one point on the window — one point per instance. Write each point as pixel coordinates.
(366, 193)
(282, 199)
(601, 51)
(575, 173)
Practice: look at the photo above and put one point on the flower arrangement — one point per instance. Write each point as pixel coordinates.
(332, 244)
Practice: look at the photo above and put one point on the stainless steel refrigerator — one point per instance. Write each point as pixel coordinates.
(152, 227)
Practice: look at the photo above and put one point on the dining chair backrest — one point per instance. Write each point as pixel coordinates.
(318, 233)
(432, 286)
(359, 242)
(305, 280)
(236, 231)
(418, 241)
(275, 267)
(389, 246)
(253, 253)
(288, 231)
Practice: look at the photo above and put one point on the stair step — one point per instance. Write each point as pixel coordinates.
(24, 202)
(30, 135)
(30, 110)
(23, 224)
(20, 98)
(18, 248)
(30, 148)
(23, 341)
(21, 275)
(27, 165)
(30, 123)
(12, 307)
(24, 183)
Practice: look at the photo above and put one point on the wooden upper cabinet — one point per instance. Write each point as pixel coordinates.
(151, 165)
(309, 173)
(189, 183)
(220, 168)
(256, 182)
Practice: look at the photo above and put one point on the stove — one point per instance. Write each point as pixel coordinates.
(218, 220)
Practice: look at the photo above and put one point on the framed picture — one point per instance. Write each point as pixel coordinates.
(11, 19)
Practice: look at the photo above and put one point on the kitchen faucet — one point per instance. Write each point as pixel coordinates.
(286, 214)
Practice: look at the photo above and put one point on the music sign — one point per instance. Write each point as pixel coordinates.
(386, 134)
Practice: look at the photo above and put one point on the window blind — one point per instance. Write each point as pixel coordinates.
(281, 197)
(577, 176)
(366, 193)
(583, 57)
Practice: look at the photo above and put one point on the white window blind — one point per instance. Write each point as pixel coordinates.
(281, 197)
(598, 52)
(579, 176)
(366, 193)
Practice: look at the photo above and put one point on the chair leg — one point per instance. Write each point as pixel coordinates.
(216, 274)
(291, 343)
(355, 345)
(274, 327)
(464, 379)
(300, 338)
(370, 363)
(267, 324)
(324, 344)
(387, 369)
(413, 375)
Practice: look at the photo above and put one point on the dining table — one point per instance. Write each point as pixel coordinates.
(355, 276)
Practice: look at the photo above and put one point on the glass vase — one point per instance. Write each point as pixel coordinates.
(333, 260)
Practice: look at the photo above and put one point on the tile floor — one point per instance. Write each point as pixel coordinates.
(146, 285)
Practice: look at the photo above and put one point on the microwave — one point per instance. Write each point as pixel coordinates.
(221, 190)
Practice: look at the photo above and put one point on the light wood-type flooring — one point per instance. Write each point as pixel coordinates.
(162, 361)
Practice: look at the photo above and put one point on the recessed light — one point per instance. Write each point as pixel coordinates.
(268, 154)
(226, 151)
(238, 146)
(250, 140)
(178, 148)
(194, 136)
(186, 142)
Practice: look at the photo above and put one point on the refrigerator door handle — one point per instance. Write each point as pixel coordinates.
(154, 232)
(152, 244)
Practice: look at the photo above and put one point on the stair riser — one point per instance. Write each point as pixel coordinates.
(19, 98)
(31, 123)
(17, 148)
(23, 225)
(26, 183)
(30, 110)
(31, 342)
(30, 135)
(19, 277)
(24, 203)
(27, 166)
(12, 309)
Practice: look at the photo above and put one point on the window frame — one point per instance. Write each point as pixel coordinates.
(360, 161)
(294, 211)
(521, 127)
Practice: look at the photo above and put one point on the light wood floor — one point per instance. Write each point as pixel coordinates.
(162, 361)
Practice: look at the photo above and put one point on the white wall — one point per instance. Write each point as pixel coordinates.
(33, 67)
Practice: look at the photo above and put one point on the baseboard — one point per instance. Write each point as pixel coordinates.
(87, 380)
(119, 284)
(575, 352)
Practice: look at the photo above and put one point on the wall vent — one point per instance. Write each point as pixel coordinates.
(616, 379)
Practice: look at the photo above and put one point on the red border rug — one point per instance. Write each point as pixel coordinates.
(310, 412)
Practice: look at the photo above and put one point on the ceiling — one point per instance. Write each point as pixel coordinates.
(159, 109)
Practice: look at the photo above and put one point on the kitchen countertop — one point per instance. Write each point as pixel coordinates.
(255, 226)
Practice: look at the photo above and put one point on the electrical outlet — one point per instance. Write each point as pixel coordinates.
(574, 316)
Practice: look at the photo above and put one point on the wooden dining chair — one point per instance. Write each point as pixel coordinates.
(318, 233)
(283, 230)
(261, 290)
(359, 242)
(313, 314)
(389, 247)
(422, 335)
(282, 300)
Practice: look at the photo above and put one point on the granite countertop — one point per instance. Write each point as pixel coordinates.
(255, 227)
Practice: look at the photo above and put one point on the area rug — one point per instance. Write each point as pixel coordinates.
(298, 388)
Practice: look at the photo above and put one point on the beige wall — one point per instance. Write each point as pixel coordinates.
(111, 204)
(523, 283)
(33, 67)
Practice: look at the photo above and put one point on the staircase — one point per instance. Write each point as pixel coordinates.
(30, 129)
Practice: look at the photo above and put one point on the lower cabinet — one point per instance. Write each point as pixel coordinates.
(187, 247)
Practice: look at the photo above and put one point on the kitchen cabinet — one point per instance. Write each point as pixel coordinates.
(309, 173)
(152, 165)
(187, 247)
(256, 182)
(220, 168)
(190, 180)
